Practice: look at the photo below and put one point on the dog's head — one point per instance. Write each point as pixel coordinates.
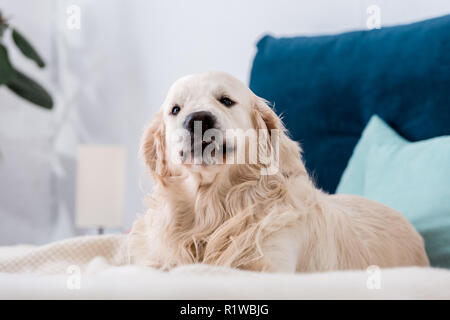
(203, 122)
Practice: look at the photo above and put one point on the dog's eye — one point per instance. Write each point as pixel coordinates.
(226, 101)
(175, 110)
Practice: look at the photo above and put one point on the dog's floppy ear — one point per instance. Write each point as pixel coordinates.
(289, 151)
(264, 116)
(153, 146)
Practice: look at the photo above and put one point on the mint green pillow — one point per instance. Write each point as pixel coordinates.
(411, 177)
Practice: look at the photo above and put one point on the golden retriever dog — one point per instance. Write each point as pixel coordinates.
(257, 212)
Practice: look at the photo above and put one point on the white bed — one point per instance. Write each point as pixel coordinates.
(95, 267)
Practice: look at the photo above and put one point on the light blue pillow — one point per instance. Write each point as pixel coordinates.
(411, 177)
(376, 132)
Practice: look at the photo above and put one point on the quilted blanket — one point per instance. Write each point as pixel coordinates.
(96, 267)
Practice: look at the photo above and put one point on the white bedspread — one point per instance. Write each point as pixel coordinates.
(95, 267)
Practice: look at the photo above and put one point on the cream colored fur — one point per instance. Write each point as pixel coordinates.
(231, 215)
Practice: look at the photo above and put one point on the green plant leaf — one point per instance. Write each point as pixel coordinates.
(6, 69)
(26, 48)
(3, 27)
(30, 90)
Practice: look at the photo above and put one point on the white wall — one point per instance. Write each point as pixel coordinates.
(190, 36)
(111, 75)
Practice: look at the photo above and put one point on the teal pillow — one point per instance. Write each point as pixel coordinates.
(411, 177)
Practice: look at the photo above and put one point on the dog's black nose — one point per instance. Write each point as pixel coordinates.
(207, 119)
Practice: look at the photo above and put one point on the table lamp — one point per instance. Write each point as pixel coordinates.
(100, 186)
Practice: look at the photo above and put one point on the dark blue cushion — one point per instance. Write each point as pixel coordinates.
(326, 88)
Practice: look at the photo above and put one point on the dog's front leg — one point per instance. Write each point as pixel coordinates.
(281, 251)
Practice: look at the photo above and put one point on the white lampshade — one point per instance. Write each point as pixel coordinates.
(100, 186)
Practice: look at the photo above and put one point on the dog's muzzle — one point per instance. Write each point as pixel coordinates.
(203, 130)
(197, 124)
